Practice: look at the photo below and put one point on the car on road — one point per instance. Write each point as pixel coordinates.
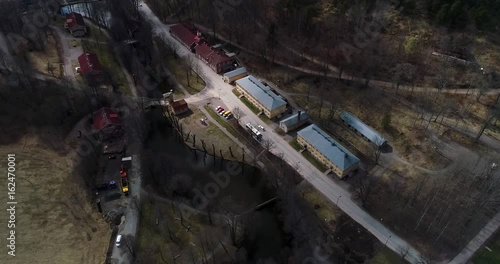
(118, 241)
(261, 128)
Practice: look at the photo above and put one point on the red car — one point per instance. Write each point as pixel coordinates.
(220, 110)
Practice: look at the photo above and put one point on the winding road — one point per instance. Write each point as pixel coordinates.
(330, 188)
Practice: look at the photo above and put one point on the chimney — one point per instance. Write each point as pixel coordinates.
(298, 115)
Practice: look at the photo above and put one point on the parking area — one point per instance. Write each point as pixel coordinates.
(109, 179)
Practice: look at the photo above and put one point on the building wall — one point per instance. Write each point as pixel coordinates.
(265, 111)
(293, 126)
(320, 157)
(235, 78)
(79, 31)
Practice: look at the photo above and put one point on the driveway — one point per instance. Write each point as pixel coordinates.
(69, 53)
(323, 183)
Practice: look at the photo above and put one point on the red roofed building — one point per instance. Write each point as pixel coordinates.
(108, 123)
(185, 33)
(90, 67)
(179, 107)
(76, 25)
(216, 59)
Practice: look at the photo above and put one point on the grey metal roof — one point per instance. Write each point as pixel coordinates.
(329, 147)
(363, 129)
(236, 72)
(261, 93)
(294, 119)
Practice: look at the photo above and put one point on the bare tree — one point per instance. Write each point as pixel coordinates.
(268, 144)
(238, 113)
(363, 187)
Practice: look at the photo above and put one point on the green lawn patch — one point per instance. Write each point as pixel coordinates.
(190, 80)
(295, 144)
(307, 155)
(107, 60)
(386, 256)
(484, 256)
(250, 105)
(235, 92)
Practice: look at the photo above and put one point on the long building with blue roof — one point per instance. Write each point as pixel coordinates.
(261, 96)
(327, 150)
(363, 129)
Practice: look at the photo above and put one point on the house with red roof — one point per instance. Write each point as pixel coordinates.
(179, 107)
(215, 58)
(186, 34)
(75, 24)
(108, 124)
(90, 67)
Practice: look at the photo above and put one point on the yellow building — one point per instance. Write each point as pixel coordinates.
(261, 96)
(232, 76)
(327, 150)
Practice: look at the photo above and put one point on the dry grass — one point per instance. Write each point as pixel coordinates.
(211, 134)
(47, 61)
(487, 53)
(324, 209)
(54, 222)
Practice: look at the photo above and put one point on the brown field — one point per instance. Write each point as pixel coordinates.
(40, 60)
(54, 221)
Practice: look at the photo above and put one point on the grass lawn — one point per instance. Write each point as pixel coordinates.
(249, 105)
(193, 83)
(386, 256)
(295, 144)
(108, 61)
(314, 161)
(210, 134)
(235, 92)
(323, 208)
(307, 155)
(95, 34)
(484, 256)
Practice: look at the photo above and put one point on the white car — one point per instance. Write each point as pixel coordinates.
(217, 108)
(118, 240)
(261, 128)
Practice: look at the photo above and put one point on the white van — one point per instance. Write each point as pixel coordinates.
(118, 240)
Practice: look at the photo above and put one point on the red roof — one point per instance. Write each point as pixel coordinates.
(212, 56)
(183, 33)
(74, 19)
(179, 105)
(89, 62)
(104, 117)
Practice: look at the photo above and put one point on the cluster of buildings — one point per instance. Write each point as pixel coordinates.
(330, 152)
(322, 146)
(217, 59)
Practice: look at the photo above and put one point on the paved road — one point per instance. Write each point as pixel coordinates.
(330, 188)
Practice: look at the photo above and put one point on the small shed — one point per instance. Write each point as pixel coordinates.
(232, 76)
(294, 121)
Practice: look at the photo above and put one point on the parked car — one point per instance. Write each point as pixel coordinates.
(229, 116)
(118, 241)
(220, 110)
(227, 113)
(217, 108)
(261, 128)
